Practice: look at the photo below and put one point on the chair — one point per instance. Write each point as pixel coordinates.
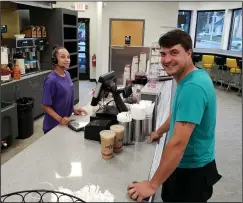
(196, 58)
(235, 73)
(222, 76)
(208, 63)
(239, 62)
(217, 69)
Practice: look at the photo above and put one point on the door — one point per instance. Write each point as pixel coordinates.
(83, 48)
(120, 28)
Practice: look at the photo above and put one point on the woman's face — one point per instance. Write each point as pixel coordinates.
(63, 58)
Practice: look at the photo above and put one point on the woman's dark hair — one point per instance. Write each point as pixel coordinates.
(175, 37)
(55, 49)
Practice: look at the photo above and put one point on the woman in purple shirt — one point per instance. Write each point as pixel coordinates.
(58, 92)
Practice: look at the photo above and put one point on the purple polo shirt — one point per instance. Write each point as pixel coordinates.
(58, 92)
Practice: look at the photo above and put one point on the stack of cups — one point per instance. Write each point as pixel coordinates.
(134, 68)
(119, 133)
(138, 116)
(125, 119)
(107, 138)
(127, 74)
(149, 108)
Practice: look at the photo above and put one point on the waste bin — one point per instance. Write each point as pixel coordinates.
(25, 117)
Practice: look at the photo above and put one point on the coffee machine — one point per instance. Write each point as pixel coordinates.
(25, 52)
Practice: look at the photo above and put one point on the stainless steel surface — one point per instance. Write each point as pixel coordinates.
(148, 126)
(120, 56)
(127, 138)
(138, 130)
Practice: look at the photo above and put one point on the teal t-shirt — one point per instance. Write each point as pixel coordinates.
(195, 102)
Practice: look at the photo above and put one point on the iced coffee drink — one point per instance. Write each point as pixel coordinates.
(107, 138)
(119, 130)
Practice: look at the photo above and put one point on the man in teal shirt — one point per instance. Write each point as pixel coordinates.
(187, 168)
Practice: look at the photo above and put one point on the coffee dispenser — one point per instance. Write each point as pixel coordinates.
(25, 52)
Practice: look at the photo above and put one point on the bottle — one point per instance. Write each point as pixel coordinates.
(16, 72)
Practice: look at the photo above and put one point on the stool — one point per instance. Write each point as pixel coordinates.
(208, 62)
(219, 62)
(235, 73)
(239, 62)
(196, 58)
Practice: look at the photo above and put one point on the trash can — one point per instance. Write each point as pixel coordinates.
(25, 107)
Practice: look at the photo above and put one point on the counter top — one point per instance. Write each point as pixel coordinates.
(27, 76)
(63, 158)
(219, 52)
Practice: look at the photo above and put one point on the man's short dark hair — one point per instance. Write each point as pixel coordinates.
(175, 37)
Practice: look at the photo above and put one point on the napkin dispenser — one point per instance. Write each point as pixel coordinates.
(93, 129)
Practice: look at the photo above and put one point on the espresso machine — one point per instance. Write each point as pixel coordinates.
(25, 52)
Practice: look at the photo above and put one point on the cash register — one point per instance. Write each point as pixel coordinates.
(106, 115)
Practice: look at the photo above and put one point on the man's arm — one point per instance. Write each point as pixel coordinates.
(169, 161)
(164, 127)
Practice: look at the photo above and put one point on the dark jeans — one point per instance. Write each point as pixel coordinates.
(191, 185)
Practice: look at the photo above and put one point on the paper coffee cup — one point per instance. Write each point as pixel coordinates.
(119, 130)
(107, 143)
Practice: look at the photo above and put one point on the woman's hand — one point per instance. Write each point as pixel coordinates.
(80, 112)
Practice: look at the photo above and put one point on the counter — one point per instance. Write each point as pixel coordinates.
(237, 54)
(27, 76)
(63, 159)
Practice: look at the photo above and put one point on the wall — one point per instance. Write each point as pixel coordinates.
(10, 17)
(227, 6)
(89, 13)
(156, 14)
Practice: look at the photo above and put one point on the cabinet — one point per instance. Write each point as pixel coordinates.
(8, 92)
(33, 85)
(62, 27)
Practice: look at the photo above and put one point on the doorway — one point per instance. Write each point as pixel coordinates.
(120, 29)
(83, 48)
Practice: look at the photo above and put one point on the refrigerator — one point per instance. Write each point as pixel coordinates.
(83, 48)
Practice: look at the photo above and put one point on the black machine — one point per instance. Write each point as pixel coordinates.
(106, 115)
(105, 85)
(4, 29)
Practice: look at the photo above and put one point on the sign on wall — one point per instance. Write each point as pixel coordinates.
(127, 40)
(80, 7)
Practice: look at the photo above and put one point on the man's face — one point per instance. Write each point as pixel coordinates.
(175, 59)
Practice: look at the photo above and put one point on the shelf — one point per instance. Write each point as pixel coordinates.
(72, 67)
(70, 40)
(70, 26)
(71, 46)
(74, 53)
(74, 79)
(69, 19)
(70, 33)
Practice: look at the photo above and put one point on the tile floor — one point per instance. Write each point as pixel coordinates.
(228, 143)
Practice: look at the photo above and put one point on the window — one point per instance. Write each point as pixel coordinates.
(235, 41)
(209, 29)
(184, 20)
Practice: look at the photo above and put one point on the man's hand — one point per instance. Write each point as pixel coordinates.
(79, 112)
(141, 190)
(154, 136)
(64, 121)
